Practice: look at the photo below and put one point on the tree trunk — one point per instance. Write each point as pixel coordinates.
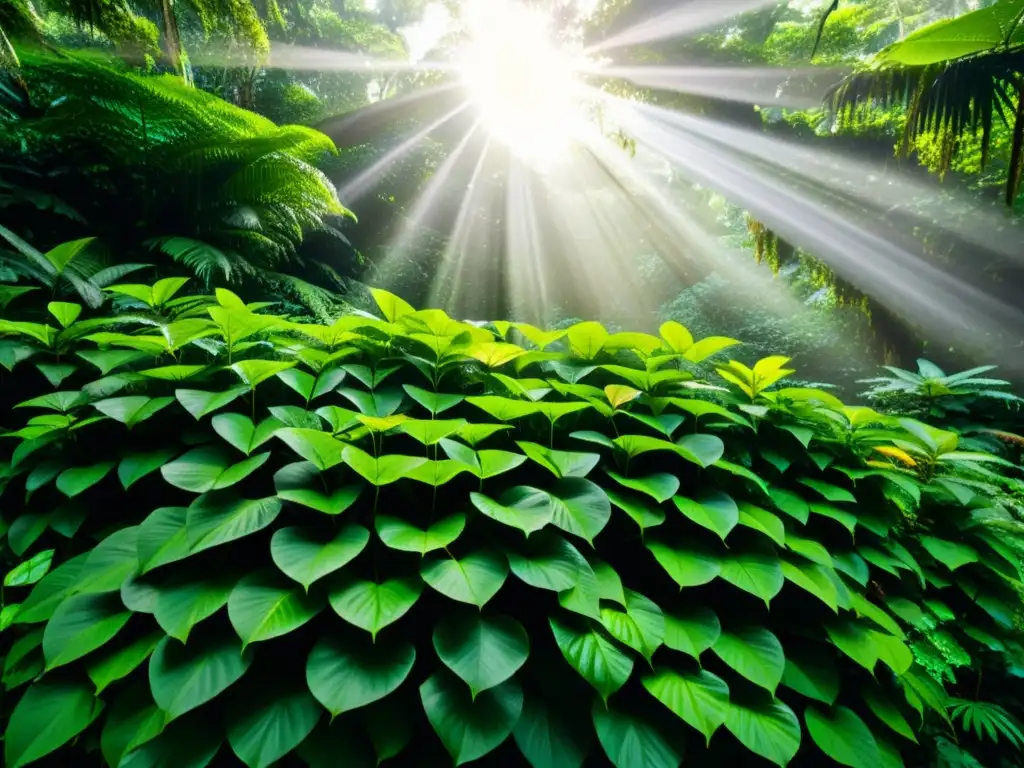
(172, 39)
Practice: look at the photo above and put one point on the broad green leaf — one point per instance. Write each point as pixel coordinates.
(758, 572)
(429, 432)
(791, 504)
(182, 677)
(266, 726)
(209, 469)
(72, 482)
(434, 402)
(398, 534)
(641, 626)
(520, 507)
(380, 403)
(814, 579)
(162, 538)
(117, 663)
(547, 562)
(951, 554)
(831, 492)
(133, 409)
(715, 511)
(30, 571)
(811, 670)
(560, 463)
(493, 354)
(313, 445)
(661, 486)
(66, 312)
(484, 651)
(689, 565)
(596, 658)
(474, 579)
(50, 714)
(132, 722)
(844, 517)
(979, 31)
(886, 711)
(346, 673)
(643, 512)
(200, 403)
(392, 307)
(305, 555)
(843, 736)
(213, 519)
(809, 549)
(547, 738)
(292, 483)
(702, 450)
(136, 466)
(852, 565)
(437, 473)
(51, 591)
(629, 741)
(186, 600)
(755, 653)
(25, 530)
(373, 606)
(62, 402)
(80, 625)
(700, 699)
(504, 408)
(580, 507)
(692, 630)
(767, 728)
(470, 728)
(263, 606)
(173, 372)
(107, 360)
(763, 521)
(239, 431)
(381, 470)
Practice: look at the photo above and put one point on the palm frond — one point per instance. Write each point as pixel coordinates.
(987, 721)
(202, 258)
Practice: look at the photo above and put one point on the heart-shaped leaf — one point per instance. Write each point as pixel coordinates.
(473, 579)
(348, 673)
(305, 555)
(470, 728)
(373, 606)
(484, 651)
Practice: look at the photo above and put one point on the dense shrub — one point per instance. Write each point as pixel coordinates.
(413, 539)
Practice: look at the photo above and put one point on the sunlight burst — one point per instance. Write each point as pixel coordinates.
(521, 80)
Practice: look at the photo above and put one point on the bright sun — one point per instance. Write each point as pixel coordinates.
(522, 82)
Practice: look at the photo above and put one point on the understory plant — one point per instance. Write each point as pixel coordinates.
(234, 538)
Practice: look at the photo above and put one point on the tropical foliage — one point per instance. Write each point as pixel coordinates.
(408, 538)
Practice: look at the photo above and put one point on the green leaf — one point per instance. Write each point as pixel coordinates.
(692, 630)
(951, 554)
(305, 556)
(763, 521)
(209, 469)
(213, 519)
(400, 535)
(25, 530)
(263, 606)
(381, 470)
(72, 482)
(661, 486)
(791, 504)
(50, 714)
(594, 656)
(643, 512)
(767, 728)
(689, 565)
(434, 402)
(887, 712)
(30, 571)
(641, 626)
(815, 579)
(118, 663)
(255, 372)
(173, 372)
(313, 445)
(136, 466)
(759, 573)
(630, 742)
(187, 599)
(162, 538)
(292, 483)
(470, 727)
(266, 726)
(200, 403)
(484, 651)
(504, 408)
(239, 431)
(437, 473)
(182, 677)
(108, 360)
(548, 739)
(429, 432)
(755, 653)
(65, 312)
(560, 463)
(580, 507)
(131, 722)
(392, 307)
(474, 579)
(520, 507)
(373, 606)
(133, 409)
(716, 511)
(702, 450)
(80, 625)
(700, 699)
(547, 562)
(811, 670)
(843, 736)
(347, 673)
